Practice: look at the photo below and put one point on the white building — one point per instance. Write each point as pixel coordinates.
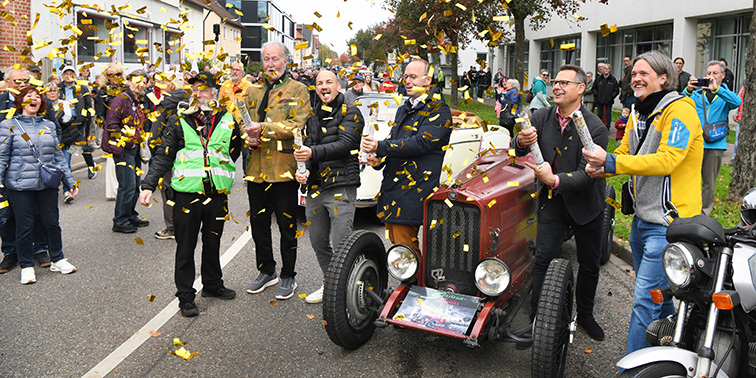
(263, 21)
(696, 30)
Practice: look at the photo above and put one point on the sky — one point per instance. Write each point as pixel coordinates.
(362, 13)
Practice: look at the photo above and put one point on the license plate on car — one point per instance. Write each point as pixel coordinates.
(438, 310)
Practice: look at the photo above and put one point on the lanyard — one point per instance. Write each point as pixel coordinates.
(209, 133)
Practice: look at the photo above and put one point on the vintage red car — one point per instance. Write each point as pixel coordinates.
(474, 271)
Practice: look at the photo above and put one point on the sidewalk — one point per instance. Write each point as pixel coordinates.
(78, 163)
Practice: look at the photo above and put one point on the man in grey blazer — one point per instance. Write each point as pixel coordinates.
(567, 196)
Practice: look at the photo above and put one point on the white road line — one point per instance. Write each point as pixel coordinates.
(111, 361)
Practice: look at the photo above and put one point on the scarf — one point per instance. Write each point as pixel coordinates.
(648, 105)
(261, 110)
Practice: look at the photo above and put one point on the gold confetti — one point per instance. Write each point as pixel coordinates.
(299, 233)
(466, 248)
(3, 204)
(493, 202)
(177, 342)
(448, 203)
(513, 183)
(150, 297)
(139, 241)
(613, 203)
(589, 351)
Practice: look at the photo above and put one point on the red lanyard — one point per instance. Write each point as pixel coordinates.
(209, 133)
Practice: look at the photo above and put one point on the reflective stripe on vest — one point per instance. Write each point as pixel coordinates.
(189, 166)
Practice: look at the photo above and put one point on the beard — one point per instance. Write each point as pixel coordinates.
(203, 104)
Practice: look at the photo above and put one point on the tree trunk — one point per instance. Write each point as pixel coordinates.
(519, 64)
(454, 99)
(744, 166)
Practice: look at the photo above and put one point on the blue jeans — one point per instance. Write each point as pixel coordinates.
(128, 186)
(8, 229)
(647, 240)
(27, 205)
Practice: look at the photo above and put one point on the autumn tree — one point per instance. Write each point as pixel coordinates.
(744, 166)
(325, 53)
(424, 25)
(368, 49)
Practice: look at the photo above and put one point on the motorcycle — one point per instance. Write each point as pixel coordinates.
(712, 272)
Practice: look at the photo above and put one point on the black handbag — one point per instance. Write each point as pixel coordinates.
(628, 205)
(506, 119)
(50, 173)
(713, 132)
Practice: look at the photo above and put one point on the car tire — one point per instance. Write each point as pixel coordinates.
(357, 264)
(655, 369)
(551, 328)
(607, 226)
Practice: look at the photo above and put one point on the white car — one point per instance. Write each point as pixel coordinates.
(467, 141)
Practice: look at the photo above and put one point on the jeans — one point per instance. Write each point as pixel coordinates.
(209, 219)
(8, 229)
(605, 108)
(710, 166)
(128, 186)
(647, 241)
(264, 199)
(26, 204)
(331, 219)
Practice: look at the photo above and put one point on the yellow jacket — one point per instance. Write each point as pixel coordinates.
(226, 97)
(288, 108)
(668, 164)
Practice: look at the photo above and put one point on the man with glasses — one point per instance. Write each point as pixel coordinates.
(281, 107)
(568, 197)
(411, 155)
(233, 89)
(605, 89)
(15, 80)
(718, 101)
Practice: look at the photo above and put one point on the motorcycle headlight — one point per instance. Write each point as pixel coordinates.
(679, 261)
(492, 276)
(402, 262)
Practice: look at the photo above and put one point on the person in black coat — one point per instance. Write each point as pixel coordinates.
(79, 96)
(413, 156)
(729, 78)
(333, 172)
(568, 197)
(605, 89)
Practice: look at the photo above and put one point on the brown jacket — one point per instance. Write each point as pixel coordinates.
(288, 109)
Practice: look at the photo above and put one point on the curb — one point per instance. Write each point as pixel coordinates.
(80, 164)
(622, 252)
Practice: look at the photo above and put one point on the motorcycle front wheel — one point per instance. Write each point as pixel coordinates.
(656, 370)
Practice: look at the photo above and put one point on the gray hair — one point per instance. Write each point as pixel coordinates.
(543, 70)
(662, 65)
(281, 46)
(607, 65)
(716, 63)
(13, 70)
(514, 83)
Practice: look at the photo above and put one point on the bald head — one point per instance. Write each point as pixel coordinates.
(327, 86)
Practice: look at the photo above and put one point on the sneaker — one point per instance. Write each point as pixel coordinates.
(222, 293)
(139, 222)
(286, 288)
(91, 174)
(27, 276)
(42, 259)
(62, 266)
(591, 327)
(9, 262)
(315, 297)
(188, 309)
(68, 197)
(166, 234)
(261, 282)
(125, 229)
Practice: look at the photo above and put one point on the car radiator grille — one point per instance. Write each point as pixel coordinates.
(453, 245)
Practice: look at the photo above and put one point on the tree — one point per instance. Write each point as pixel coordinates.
(540, 12)
(744, 166)
(447, 26)
(325, 53)
(344, 58)
(368, 49)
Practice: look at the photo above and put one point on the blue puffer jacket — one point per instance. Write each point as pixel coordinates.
(19, 169)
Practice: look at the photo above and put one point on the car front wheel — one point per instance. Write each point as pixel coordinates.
(551, 328)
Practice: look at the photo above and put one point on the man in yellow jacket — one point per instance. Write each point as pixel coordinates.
(281, 107)
(234, 89)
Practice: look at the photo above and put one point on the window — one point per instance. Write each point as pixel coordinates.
(135, 43)
(251, 37)
(172, 43)
(94, 40)
(614, 47)
(554, 57)
(724, 37)
(262, 11)
(249, 12)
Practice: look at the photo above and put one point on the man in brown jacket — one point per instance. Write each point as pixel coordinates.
(281, 107)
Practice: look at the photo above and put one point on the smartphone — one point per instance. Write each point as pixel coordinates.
(703, 82)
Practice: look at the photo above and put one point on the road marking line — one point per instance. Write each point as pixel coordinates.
(135, 341)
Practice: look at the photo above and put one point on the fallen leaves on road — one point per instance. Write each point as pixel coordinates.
(589, 351)
(310, 316)
(155, 334)
(273, 303)
(139, 241)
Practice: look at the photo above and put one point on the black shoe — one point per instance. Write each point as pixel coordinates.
(125, 229)
(188, 309)
(43, 259)
(222, 293)
(591, 327)
(139, 222)
(9, 262)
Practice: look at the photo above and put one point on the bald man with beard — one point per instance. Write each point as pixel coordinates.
(333, 172)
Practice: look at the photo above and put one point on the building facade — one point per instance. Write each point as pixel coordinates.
(264, 20)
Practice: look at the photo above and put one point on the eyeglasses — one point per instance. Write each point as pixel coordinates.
(117, 74)
(413, 77)
(564, 83)
(544, 74)
(21, 81)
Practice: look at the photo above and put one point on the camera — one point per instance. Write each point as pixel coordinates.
(703, 82)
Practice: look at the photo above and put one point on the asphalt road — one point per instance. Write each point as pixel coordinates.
(64, 326)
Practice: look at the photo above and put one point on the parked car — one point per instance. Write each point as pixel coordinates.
(379, 110)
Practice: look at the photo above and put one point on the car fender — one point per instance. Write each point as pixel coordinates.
(645, 356)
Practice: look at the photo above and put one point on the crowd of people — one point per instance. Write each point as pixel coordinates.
(198, 132)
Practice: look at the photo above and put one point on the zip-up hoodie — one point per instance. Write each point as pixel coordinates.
(668, 164)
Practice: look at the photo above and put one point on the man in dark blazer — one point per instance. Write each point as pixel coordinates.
(566, 195)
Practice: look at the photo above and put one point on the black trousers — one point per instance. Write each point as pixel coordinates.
(553, 220)
(208, 218)
(605, 109)
(265, 199)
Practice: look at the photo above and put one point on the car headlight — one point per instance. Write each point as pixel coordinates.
(679, 261)
(492, 276)
(402, 262)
